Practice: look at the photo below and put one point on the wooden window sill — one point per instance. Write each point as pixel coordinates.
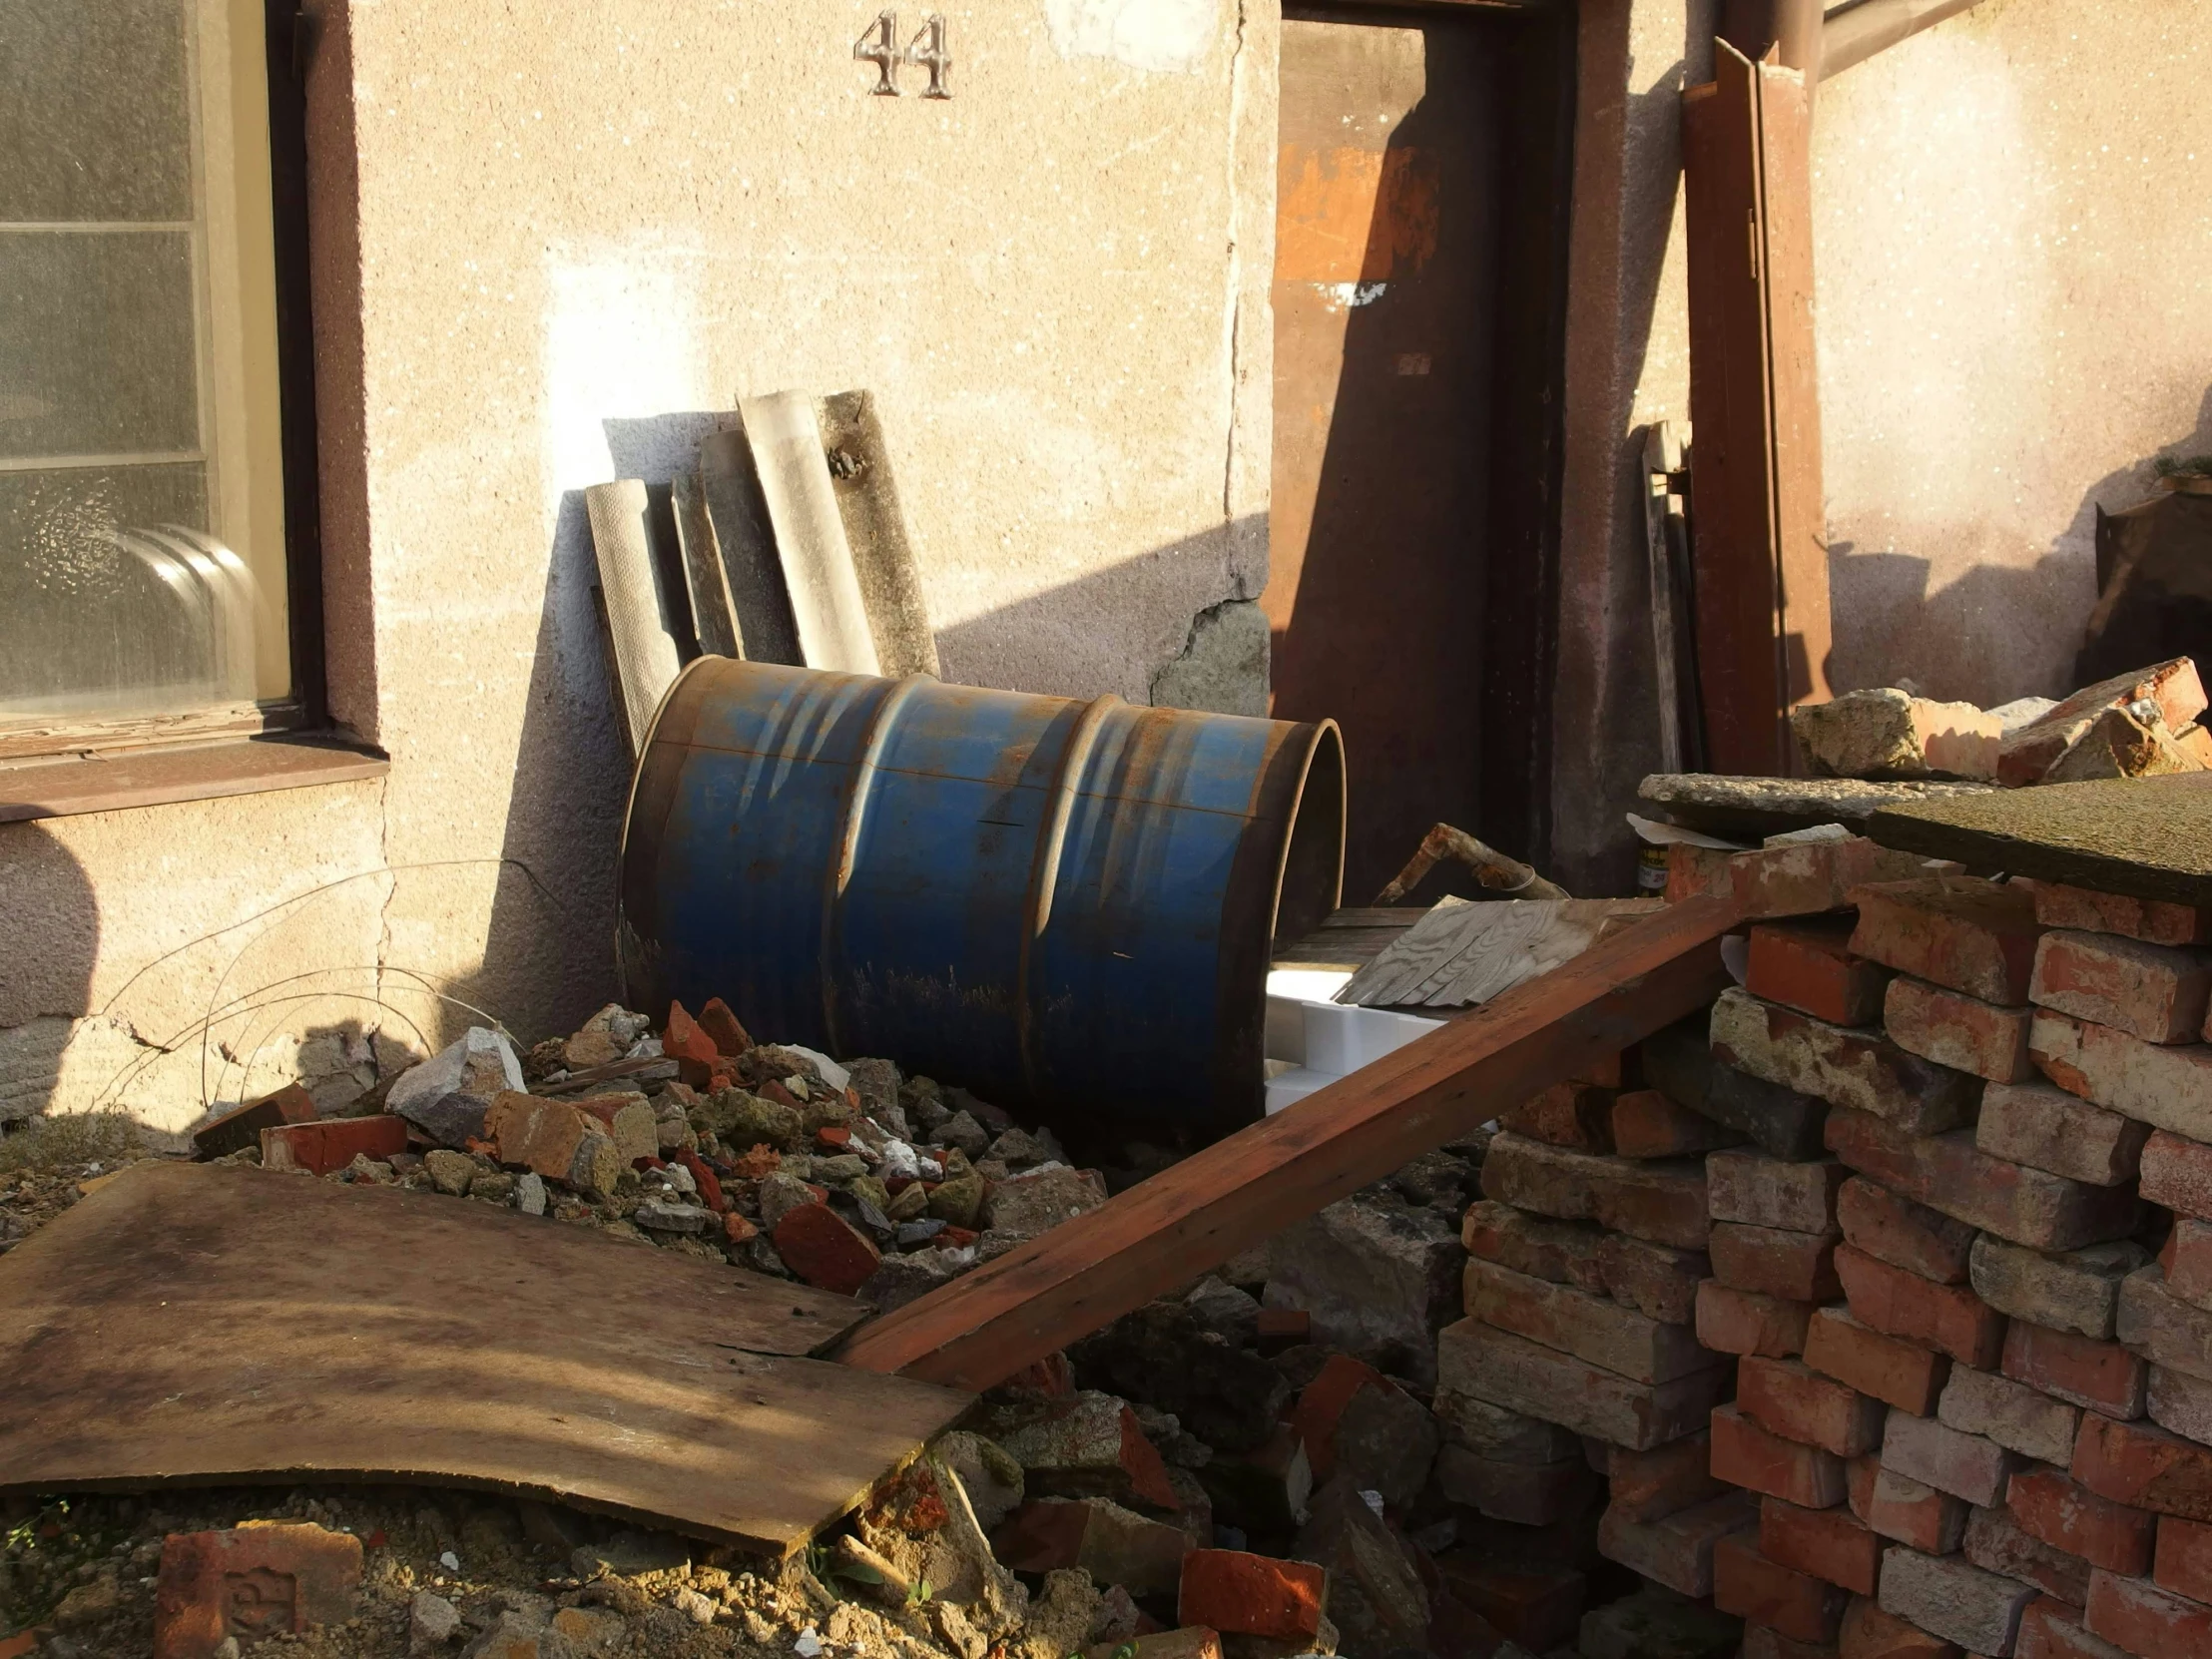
(156, 777)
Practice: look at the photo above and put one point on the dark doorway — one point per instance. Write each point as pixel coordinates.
(1419, 283)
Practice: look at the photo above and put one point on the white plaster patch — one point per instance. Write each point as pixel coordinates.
(1164, 35)
(1338, 297)
(621, 337)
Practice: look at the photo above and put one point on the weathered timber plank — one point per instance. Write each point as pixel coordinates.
(1071, 1280)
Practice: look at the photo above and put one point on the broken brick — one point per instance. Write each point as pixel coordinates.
(1808, 965)
(2168, 1086)
(2103, 1377)
(556, 1140)
(1321, 1405)
(252, 1584)
(1956, 1030)
(2041, 1125)
(1647, 1124)
(2146, 1621)
(723, 1027)
(2028, 752)
(1855, 1067)
(1972, 935)
(693, 1050)
(1747, 1456)
(2151, 992)
(1892, 1229)
(1238, 1593)
(1115, 1545)
(1748, 1584)
(1947, 1318)
(1798, 1267)
(2063, 1514)
(1948, 1173)
(1950, 1597)
(1831, 1545)
(332, 1144)
(1789, 1398)
(2153, 921)
(1761, 1191)
(1743, 1322)
(825, 1249)
(2144, 1467)
(1676, 1549)
(242, 1126)
(1904, 1373)
(1574, 1321)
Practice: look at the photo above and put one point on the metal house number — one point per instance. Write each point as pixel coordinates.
(879, 45)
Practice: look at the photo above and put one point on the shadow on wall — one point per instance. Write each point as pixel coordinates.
(1999, 631)
(50, 922)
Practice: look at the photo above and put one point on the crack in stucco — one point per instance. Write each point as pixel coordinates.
(1233, 322)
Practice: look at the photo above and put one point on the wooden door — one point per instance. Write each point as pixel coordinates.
(1386, 272)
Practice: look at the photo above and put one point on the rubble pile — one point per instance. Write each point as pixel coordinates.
(2139, 724)
(1972, 1393)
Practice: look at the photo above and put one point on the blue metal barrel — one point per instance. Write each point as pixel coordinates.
(1064, 906)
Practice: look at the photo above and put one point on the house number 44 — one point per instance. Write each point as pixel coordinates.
(926, 51)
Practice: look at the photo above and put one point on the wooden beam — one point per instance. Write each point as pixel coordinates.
(1085, 1273)
(1851, 34)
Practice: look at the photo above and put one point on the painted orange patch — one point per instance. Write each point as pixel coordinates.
(1353, 216)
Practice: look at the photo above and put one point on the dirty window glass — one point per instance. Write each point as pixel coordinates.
(140, 505)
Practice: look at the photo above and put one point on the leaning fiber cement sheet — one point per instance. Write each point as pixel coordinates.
(198, 1323)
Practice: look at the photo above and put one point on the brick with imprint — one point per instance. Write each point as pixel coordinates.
(219, 1591)
(2041, 1125)
(1972, 935)
(1853, 1067)
(2153, 991)
(1959, 1031)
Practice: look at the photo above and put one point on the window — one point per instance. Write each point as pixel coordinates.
(142, 490)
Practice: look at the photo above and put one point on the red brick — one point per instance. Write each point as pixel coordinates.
(1798, 1267)
(1846, 1066)
(1831, 1545)
(2145, 1468)
(2042, 1125)
(2050, 1629)
(1808, 965)
(1621, 1069)
(1956, 1030)
(1509, 1370)
(2104, 1376)
(1935, 1454)
(736, 1229)
(1696, 870)
(1804, 878)
(1538, 1608)
(1527, 1495)
(252, 1584)
(1997, 1543)
(2146, 1621)
(1592, 1327)
(1742, 1322)
(1951, 1597)
(1116, 1545)
(1321, 1402)
(1747, 1456)
(2054, 1506)
(2177, 1173)
(334, 1143)
(823, 1250)
(1761, 1191)
(1653, 1279)
(1663, 1200)
(1564, 1252)
(1676, 1549)
(2187, 1260)
(1762, 1642)
(724, 1028)
(2180, 1402)
(1891, 1228)
(242, 1126)
(1566, 1114)
(1870, 1633)
(2152, 992)
(1649, 1485)
(2168, 1086)
(1899, 1507)
(1282, 1327)
(1255, 1595)
(692, 1049)
(2183, 1563)
(1947, 1318)
(1745, 1583)
(1646, 1124)
(1948, 1173)
(1904, 1375)
(1972, 935)
(2153, 921)
(2028, 752)
(1789, 1398)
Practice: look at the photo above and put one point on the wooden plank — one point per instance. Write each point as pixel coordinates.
(1763, 629)
(1086, 1272)
(1464, 953)
(1352, 937)
(203, 1324)
(2142, 838)
(151, 778)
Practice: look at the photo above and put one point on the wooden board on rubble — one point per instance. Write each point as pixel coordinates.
(204, 1323)
(1350, 939)
(2142, 838)
(1464, 953)
(1085, 1273)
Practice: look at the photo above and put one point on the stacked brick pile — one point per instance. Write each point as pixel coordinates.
(1974, 1410)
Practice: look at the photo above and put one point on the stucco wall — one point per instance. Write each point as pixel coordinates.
(2014, 266)
(550, 242)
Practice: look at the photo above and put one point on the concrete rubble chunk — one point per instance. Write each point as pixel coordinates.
(1227, 1396)
(1386, 1442)
(1090, 1445)
(1040, 1199)
(1379, 1278)
(1887, 733)
(476, 1067)
(1228, 1311)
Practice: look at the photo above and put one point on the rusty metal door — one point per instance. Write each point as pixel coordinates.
(1386, 263)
